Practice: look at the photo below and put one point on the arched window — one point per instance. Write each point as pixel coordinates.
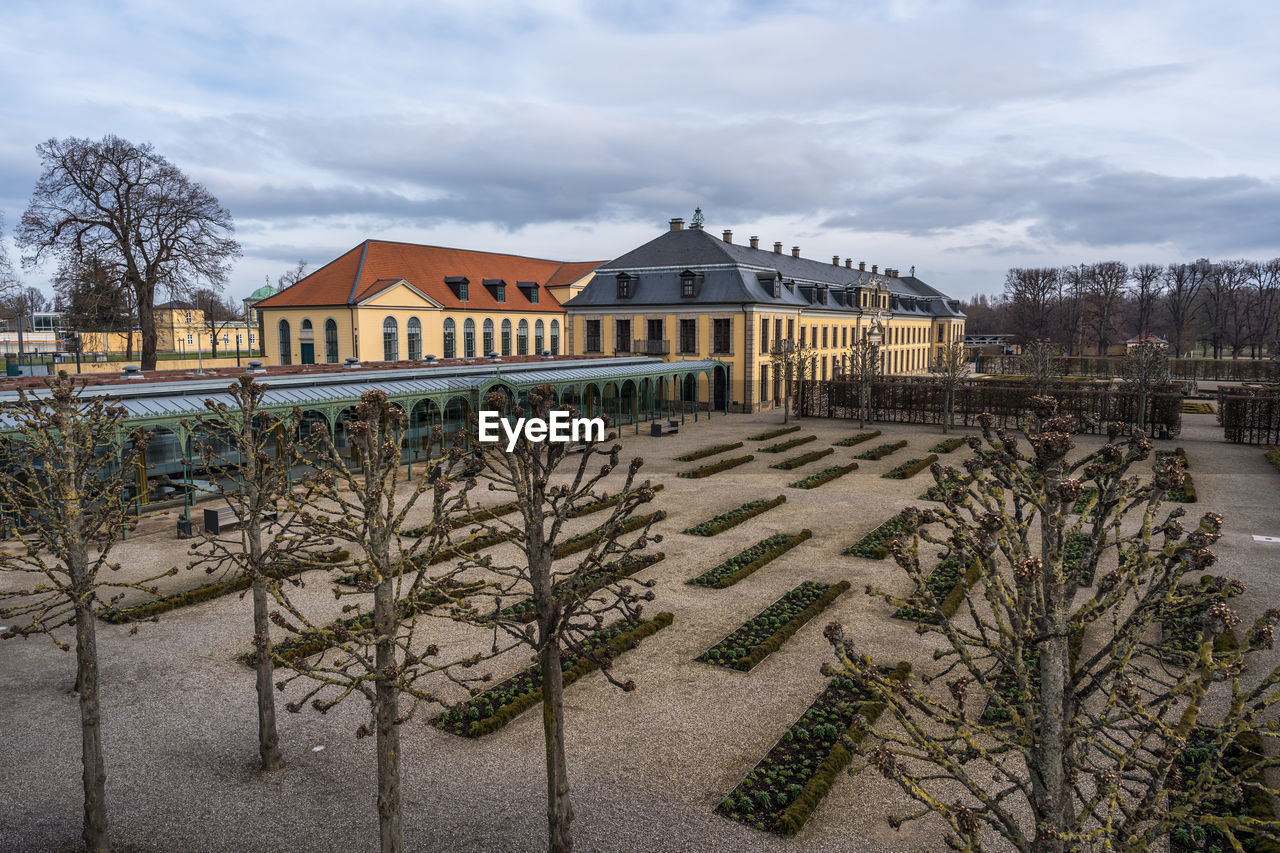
(539, 337)
(555, 337)
(390, 339)
(306, 342)
(522, 338)
(415, 339)
(285, 343)
(330, 341)
(469, 338)
(506, 337)
(450, 338)
(488, 336)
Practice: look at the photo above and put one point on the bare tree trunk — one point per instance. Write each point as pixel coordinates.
(386, 709)
(268, 737)
(94, 769)
(559, 808)
(147, 327)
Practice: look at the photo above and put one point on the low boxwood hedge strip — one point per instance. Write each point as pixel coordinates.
(207, 592)
(805, 459)
(948, 445)
(874, 546)
(791, 820)
(856, 439)
(775, 640)
(734, 517)
(524, 610)
(936, 491)
(484, 513)
(583, 541)
(787, 445)
(1190, 408)
(773, 433)
(949, 602)
(603, 503)
(882, 451)
(910, 468)
(714, 580)
(824, 476)
(709, 451)
(619, 644)
(467, 546)
(716, 467)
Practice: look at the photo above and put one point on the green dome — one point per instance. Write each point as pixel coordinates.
(262, 293)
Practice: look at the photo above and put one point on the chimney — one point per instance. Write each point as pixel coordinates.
(875, 268)
(728, 236)
(848, 263)
(755, 242)
(677, 224)
(862, 266)
(795, 251)
(777, 248)
(835, 260)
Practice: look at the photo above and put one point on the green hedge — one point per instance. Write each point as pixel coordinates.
(910, 468)
(734, 517)
(716, 467)
(205, 592)
(824, 476)
(787, 445)
(603, 503)
(856, 439)
(773, 433)
(791, 820)
(710, 579)
(709, 451)
(467, 546)
(948, 445)
(775, 640)
(882, 451)
(583, 541)
(524, 610)
(484, 513)
(584, 666)
(951, 601)
(805, 459)
(874, 546)
(1190, 408)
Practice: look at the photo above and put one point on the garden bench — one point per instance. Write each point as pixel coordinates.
(668, 428)
(225, 516)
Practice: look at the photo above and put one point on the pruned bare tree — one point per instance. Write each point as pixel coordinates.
(219, 313)
(1083, 739)
(865, 367)
(128, 205)
(1145, 367)
(951, 366)
(791, 360)
(64, 489)
(1042, 363)
(574, 602)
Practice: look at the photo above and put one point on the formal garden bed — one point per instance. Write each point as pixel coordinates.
(209, 591)
(470, 545)
(1074, 553)
(949, 444)
(804, 459)
(782, 791)
(826, 475)
(1181, 626)
(1193, 408)
(1006, 685)
(745, 562)
(787, 445)
(715, 467)
(938, 490)
(588, 538)
(603, 503)
(1238, 760)
(1087, 497)
(525, 610)
(875, 545)
(764, 633)
(493, 708)
(773, 433)
(947, 583)
(709, 451)
(856, 439)
(882, 451)
(734, 517)
(484, 513)
(910, 468)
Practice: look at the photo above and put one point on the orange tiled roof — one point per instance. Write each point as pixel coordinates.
(374, 264)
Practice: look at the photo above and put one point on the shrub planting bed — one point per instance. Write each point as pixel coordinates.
(709, 451)
(805, 459)
(787, 445)
(209, 591)
(910, 468)
(1006, 684)
(1239, 758)
(875, 545)
(603, 503)
(1190, 408)
(734, 517)
(744, 563)
(1181, 626)
(492, 709)
(477, 514)
(715, 467)
(1186, 493)
(1074, 552)
(882, 451)
(947, 583)
(856, 439)
(824, 476)
(948, 445)
(467, 546)
(773, 433)
(781, 792)
(937, 490)
(585, 540)
(760, 636)
(525, 610)
(1086, 499)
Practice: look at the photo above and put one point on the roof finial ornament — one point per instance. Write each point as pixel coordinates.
(697, 220)
(912, 272)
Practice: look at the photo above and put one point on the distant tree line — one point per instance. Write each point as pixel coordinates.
(1227, 308)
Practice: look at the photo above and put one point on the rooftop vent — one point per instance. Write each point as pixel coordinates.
(546, 353)
(429, 358)
(351, 361)
(728, 236)
(493, 356)
(255, 366)
(755, 242)
(131, 371)
(677, 224)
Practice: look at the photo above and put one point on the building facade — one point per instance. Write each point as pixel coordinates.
(388, 301)
(690, 295)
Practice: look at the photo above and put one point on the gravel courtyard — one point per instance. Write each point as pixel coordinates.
(647, 767)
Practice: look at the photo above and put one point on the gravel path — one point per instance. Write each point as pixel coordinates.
(647, 767)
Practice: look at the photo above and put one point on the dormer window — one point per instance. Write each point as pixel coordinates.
(530, 290)
(791, 286)
(498, 288)
(687, 281)
(626, 286)
(777, 288)
(458, 284)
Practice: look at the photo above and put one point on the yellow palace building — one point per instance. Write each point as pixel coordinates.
(390, 301)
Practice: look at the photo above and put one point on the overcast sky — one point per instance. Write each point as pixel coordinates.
(958, 137)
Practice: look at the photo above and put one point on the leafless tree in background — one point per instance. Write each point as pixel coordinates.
(219, 313)
(1042, 364)
(1146, 287)
(951, 366)
(1030, 294)
(293, 276)
(1104, 290)
(1261, 304)
(1218, 297)
(1182, 291)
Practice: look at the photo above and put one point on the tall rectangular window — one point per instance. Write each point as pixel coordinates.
(722, 336)
(622, 336)
(764, 383)
(500, 293)
(777, 330)
(791, 330)
(764, 335)
(802, 336)
(824, 337)
(593, 342)
(689, 336)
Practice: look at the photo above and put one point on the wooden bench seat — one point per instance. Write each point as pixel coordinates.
(224, 517)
